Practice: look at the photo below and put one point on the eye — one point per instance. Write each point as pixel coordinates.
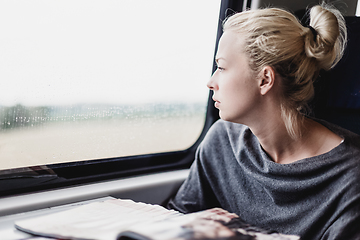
(220, 68)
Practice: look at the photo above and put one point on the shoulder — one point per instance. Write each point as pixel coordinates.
(226, 139)
(350, 138)
(346, 156)
(342, 132)
(224, 131)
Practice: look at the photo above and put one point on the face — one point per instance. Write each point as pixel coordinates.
(235, 88)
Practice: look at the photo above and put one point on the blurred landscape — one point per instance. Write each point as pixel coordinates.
(55, 134)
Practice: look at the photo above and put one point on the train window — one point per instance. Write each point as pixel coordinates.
(85, 80)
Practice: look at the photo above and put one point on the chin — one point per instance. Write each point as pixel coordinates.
(230, 118)
(225, 118)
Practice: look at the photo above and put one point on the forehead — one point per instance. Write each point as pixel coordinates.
(231, 43)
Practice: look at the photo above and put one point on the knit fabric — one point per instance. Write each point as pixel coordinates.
(316, 198)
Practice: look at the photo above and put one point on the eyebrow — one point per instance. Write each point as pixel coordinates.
(217, 59)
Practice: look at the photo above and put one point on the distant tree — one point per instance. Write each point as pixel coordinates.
(22, 116)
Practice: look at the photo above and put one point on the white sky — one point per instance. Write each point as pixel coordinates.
(55, 52)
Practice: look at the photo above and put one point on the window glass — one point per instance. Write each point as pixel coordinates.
(99, 79)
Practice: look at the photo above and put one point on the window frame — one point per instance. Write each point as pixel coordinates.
(92, 171)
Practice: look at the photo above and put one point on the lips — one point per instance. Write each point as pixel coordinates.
(217, 103)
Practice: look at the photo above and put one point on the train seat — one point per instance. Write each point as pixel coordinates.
(337, 92)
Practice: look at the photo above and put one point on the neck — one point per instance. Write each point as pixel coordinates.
(282, 148)
(277, 142)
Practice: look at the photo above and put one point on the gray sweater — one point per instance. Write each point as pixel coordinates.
(316, 198)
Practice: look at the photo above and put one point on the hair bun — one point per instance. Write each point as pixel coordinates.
(325, 38)
(314, 32)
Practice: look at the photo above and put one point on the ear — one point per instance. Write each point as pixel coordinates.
(266, 79)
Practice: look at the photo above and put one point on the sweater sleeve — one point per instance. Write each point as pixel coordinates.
(195, 194)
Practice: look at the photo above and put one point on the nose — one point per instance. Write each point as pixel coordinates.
(212, 83)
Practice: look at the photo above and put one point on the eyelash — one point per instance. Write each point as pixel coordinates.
(220, 68)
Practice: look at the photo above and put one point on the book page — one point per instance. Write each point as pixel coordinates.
(100, 220)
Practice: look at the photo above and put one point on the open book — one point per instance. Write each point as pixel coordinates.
(125, 219)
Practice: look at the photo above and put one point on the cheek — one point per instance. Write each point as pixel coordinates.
(236, 90)
(242, 96)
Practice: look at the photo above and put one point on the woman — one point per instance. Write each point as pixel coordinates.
(265, 160)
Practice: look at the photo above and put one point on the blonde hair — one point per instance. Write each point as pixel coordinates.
(274, 37)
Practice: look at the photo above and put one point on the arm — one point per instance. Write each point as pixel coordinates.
(195, 194)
